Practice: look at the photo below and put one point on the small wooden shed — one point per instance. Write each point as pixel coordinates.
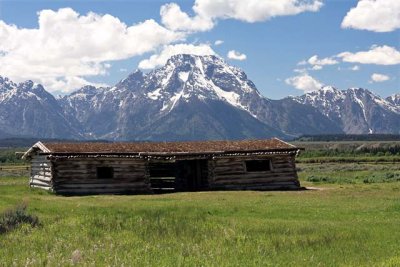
(122, 168)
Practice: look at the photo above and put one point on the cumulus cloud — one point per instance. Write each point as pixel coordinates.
(168, 51)
(302, 63)
(374, 15)
(318, 63)
(300, 70)
(218, 42)
(304, 82)
(207, 12)
(235, 55)
(316, 67)
(355, 68)
(175, 19)
(253, 10)
(377, 77)
(67, 47)
(314, 60)
(379, 55)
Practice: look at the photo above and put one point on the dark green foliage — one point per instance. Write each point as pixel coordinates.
(328, 180)
(382, 178)
(12, 218)
(8, 156)
(349, 137)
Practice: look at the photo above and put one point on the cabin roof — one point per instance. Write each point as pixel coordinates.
(193, 147)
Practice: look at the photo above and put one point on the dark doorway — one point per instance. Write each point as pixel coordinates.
(182, 175)
(192, 175)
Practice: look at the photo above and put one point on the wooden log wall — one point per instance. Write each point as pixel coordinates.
(41, 172)
(79, 176)
(230, 173)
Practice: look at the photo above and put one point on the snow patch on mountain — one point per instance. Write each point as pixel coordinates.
(184, 75)
(154, 95)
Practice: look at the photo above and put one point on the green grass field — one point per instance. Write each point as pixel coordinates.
(350, 221)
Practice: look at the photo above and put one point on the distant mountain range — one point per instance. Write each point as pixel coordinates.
(190, 98)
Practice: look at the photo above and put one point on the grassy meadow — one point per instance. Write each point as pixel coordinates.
(350, 218)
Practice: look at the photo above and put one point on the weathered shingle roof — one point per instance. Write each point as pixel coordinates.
(169, 147)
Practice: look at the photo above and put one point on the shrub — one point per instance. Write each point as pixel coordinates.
(12, 218)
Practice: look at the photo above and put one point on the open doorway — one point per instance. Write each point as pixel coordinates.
(182, 175)
(192, 175)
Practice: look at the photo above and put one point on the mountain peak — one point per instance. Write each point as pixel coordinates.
(6, 84)
(132, 82)
(394, 99)
(183, 57)
(329, 88)
(186, 76)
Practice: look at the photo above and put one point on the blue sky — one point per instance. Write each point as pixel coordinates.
(288, 50)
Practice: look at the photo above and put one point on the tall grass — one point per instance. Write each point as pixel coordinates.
(348, 225)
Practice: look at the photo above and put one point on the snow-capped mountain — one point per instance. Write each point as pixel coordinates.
(395, 100)
(185, 99)
(27, 109)
(355, 110)
(190, 98)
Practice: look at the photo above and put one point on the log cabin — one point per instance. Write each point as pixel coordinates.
(148, 167)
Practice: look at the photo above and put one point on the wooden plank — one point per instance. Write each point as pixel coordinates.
(40, 183)
(102, 181)
(41, 163)
(41, 173)
(252, 176)
(93, 168)
(40, 177)
(93, 175)
(117, 176)
(257, 181)
(39, 160)
(103, 191)
(273, 186)
(229, 169)
(99, 186)
(78, 163)
(41, 170)
(41, 187)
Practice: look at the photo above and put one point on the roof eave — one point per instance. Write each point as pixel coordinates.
(36, 147)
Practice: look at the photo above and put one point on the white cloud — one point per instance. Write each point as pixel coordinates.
(376, 77)
(218, 42)
(316, 67)
(253, 10)
(314, 60)
(374, 15)
(67, 47)
(355, 68)
(304, 82)
(301, 70)
(317, 63)
(61, 85)
(235, 55)
(207, 12)
(302, 63)
(123, 70)
(168, 51)
(379, 55)
(175, 19)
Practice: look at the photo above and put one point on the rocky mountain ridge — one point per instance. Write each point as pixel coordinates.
(355, 110)
(190, 98)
